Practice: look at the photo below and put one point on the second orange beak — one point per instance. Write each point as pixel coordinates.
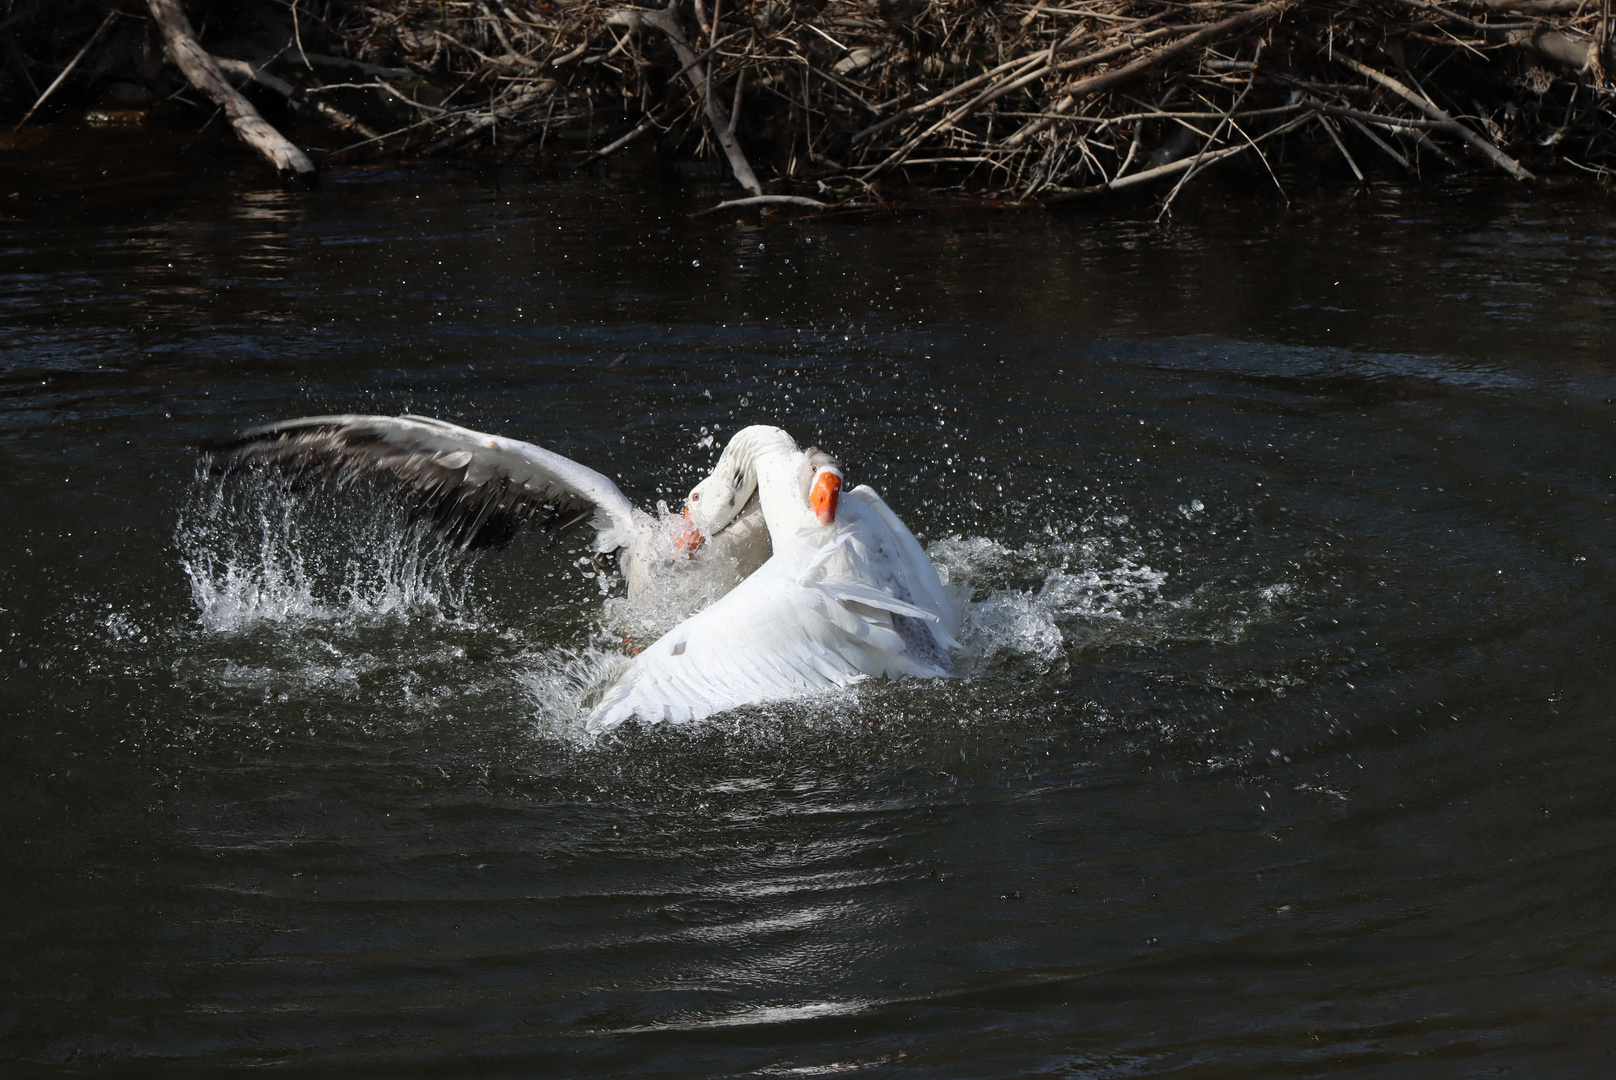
(691, 538)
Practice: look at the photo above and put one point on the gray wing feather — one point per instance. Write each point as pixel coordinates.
(474, 489)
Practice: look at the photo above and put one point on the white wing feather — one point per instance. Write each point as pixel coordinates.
(804, 622)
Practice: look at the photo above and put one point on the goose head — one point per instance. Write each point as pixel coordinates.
(806, 484)
(714, 503)
(824, 491)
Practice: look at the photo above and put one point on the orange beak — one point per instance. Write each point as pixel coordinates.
(691, 538)
(827, 489)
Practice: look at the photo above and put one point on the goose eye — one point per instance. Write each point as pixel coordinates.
(695, 496)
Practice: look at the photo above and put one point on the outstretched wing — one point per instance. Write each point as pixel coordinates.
(475, 489)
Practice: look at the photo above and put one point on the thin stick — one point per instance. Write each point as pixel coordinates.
(297, 35)
(329, 112)
(944, 97)
(544, 132)
(617, 144)
(1039, 69)
(667, 21)
(1167, 203)
(1102, 122)
(1376, 118)
(1335, 137)
(1023, 62)
(71, 64)
(1094, 84)
(1391, 151)
(1162, 171)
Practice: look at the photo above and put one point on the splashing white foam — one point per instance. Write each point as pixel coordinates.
(1059, 596)
(565, 684)
(678, 587)
(255, 552)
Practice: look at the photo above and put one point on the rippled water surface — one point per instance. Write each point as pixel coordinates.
(1283, 744)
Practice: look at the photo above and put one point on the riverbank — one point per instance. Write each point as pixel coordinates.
(855, 102)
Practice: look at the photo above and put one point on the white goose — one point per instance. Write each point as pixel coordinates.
(847, 594)
(476, 490)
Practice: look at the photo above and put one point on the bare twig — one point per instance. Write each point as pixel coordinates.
(1161, 172)
(615, 145)
(1167, 203)
(1385, 146)
(1094, 84)
(723, 128)
(1449, 124)
(1335, 137)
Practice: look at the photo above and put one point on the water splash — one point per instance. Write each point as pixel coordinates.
(1032, 604)
(565, 684)
(679, 586)
(256, 551)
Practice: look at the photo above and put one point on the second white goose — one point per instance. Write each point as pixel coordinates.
(848, 594)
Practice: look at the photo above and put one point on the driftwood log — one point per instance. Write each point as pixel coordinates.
(202, 71)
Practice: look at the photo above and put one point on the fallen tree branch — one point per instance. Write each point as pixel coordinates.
(1376, 118)
(327, 111)
(481, 122)
(1528, 7)
(1041, 69)
(722, 126)
(342, 63)
(617, 144)
(1335, 137)
(1385, 146)
(1023, 63)
(1163, 171)
(203, 73)
(943, 98)
(765, 200)
(1224, 121)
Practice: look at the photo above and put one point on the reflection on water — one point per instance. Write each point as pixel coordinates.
(1282, 739)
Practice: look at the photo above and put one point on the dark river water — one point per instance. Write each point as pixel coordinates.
(1283, 741)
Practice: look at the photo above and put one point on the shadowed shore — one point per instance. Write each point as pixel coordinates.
(854, 103)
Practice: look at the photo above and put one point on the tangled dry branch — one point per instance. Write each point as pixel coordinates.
(839, 101)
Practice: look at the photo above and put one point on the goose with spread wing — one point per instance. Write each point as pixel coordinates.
(477, 490)
(848, 594)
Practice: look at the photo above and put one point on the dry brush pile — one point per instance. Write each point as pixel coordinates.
(859, 101)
